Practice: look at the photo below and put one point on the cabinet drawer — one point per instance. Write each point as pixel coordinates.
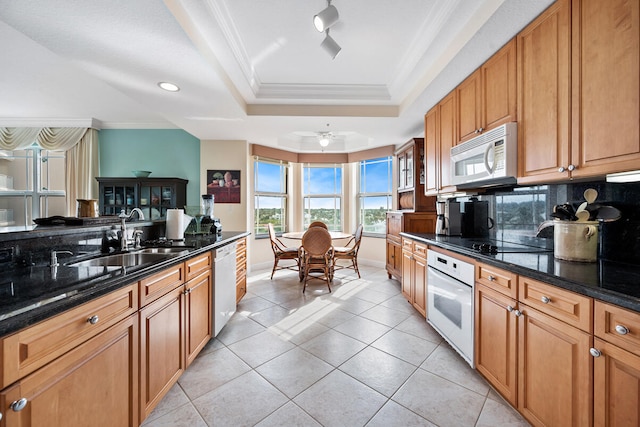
(497, 279)
(567, 306)
(420, 250)
(33, 347)
(618, 326)
(197, 265)
(153, 287)
(407, 245)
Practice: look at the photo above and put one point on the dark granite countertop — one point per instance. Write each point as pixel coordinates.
(31, 294)
(605, 280)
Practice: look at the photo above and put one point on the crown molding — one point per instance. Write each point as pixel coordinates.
(52, 122)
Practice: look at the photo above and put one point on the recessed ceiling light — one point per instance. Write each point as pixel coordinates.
(169, 87)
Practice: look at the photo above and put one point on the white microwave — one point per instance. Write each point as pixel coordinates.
(486, 160)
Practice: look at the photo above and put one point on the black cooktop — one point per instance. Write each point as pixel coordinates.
(496, 246)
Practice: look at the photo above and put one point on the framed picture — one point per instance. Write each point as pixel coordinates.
(224, 184)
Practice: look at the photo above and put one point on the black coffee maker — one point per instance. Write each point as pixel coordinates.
(475, 220)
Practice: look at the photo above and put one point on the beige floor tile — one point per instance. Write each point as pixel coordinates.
(405, 346)
(362, 329)
(210, 371)
(289, 414)
(242, 402)
(385, 315)
(247, 307)
(353, 304)
(294, 371)
(495, 413)
(333, 347)
(393, 414)
(379, 370)
(238, 328)
(440, 401)
(445, 362)
(270, 316)
(297, 333)
(418, 326)
(174, 399)
(183, 416)
(400, 303)
(339, 400)
(335, 317)
(260, 348)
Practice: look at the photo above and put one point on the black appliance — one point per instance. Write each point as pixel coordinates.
(475, 219)
(493, 246)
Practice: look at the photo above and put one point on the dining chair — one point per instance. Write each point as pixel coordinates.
(316, 255)
(281, 252)
(348, 252)
(318, 224)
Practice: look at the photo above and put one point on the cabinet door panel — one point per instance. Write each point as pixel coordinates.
(495, 342)
(499, 88)
(419, 292)
(468, 102)
(199, 300)
(616, 386)
(94, 384)
(606, 84)
(161, 348)
(554, 371)
(447, 138)
(544, 123)
(430, 151)
(407, 277)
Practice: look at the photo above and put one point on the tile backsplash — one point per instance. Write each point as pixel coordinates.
(519, 211)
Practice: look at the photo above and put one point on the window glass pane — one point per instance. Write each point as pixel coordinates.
(269, 177)
(270, 210)
(321, 180)
(325, 209)
(374, 198)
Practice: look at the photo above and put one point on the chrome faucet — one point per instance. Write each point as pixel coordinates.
(124, 241)
(54, 257)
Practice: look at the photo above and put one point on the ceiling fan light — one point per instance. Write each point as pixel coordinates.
(325, 19)
(323, 141)
(330, 45)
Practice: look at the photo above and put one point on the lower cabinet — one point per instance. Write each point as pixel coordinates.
(198, 311)
(414, 274)
(94, 384)
(241, 269)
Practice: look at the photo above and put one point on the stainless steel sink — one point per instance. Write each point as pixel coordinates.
(123, 260)
(166, 250)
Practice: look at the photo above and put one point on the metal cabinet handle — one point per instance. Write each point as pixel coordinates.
(491, 278)
(572, 167)
(518, 313)
(18, 405)
(561, 169)
(93, 319)
(545, 300)
(595, 352)
(509, 309)
(622, 330)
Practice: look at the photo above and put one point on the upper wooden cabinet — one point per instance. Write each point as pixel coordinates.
(411, 178)
(440, 135)
(544, 59)
(578, 85)
(487, 98)
(605, 86)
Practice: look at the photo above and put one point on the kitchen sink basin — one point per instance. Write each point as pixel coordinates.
(166, 250)
(123, 260)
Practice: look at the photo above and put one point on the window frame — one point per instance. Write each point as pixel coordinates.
(284, 195)
(361, 195)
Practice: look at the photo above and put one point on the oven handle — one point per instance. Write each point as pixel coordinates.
(437, 274)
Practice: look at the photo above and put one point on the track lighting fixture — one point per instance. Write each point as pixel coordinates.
(325, 19)
(330, 45)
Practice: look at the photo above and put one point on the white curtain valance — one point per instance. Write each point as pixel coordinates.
(53, 139)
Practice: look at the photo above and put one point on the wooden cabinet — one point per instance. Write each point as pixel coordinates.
(496, 293)
(198, 312)
(532, 345)
(605, 86)
(162, 354)
(585, 122)
(414, 274)
(241, 269)
(397, 222)
(152, 195)
(487, 98)
(411, 178)
(544, 116)
(616, 366)
(440, 135)
(96, 383)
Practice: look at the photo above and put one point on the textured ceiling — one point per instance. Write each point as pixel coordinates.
(248, 69)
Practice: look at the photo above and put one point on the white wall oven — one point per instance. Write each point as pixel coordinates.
(450, 301)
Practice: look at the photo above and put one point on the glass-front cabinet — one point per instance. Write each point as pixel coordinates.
(152, 195)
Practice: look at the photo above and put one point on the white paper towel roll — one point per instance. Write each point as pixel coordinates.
(175, 229)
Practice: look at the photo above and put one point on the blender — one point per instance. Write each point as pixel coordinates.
(207, 211)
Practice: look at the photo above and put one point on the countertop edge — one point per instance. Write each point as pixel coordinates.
(606, 295)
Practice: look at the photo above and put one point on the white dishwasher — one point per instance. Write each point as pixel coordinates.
(224, 285)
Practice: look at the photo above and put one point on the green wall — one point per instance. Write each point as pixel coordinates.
(170, 153)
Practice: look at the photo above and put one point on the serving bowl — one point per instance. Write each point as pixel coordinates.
(141, 174)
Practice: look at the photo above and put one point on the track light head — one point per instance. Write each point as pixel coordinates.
(330, 45)
(325, 19)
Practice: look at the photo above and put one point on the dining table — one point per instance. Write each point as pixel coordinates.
(335, 235)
